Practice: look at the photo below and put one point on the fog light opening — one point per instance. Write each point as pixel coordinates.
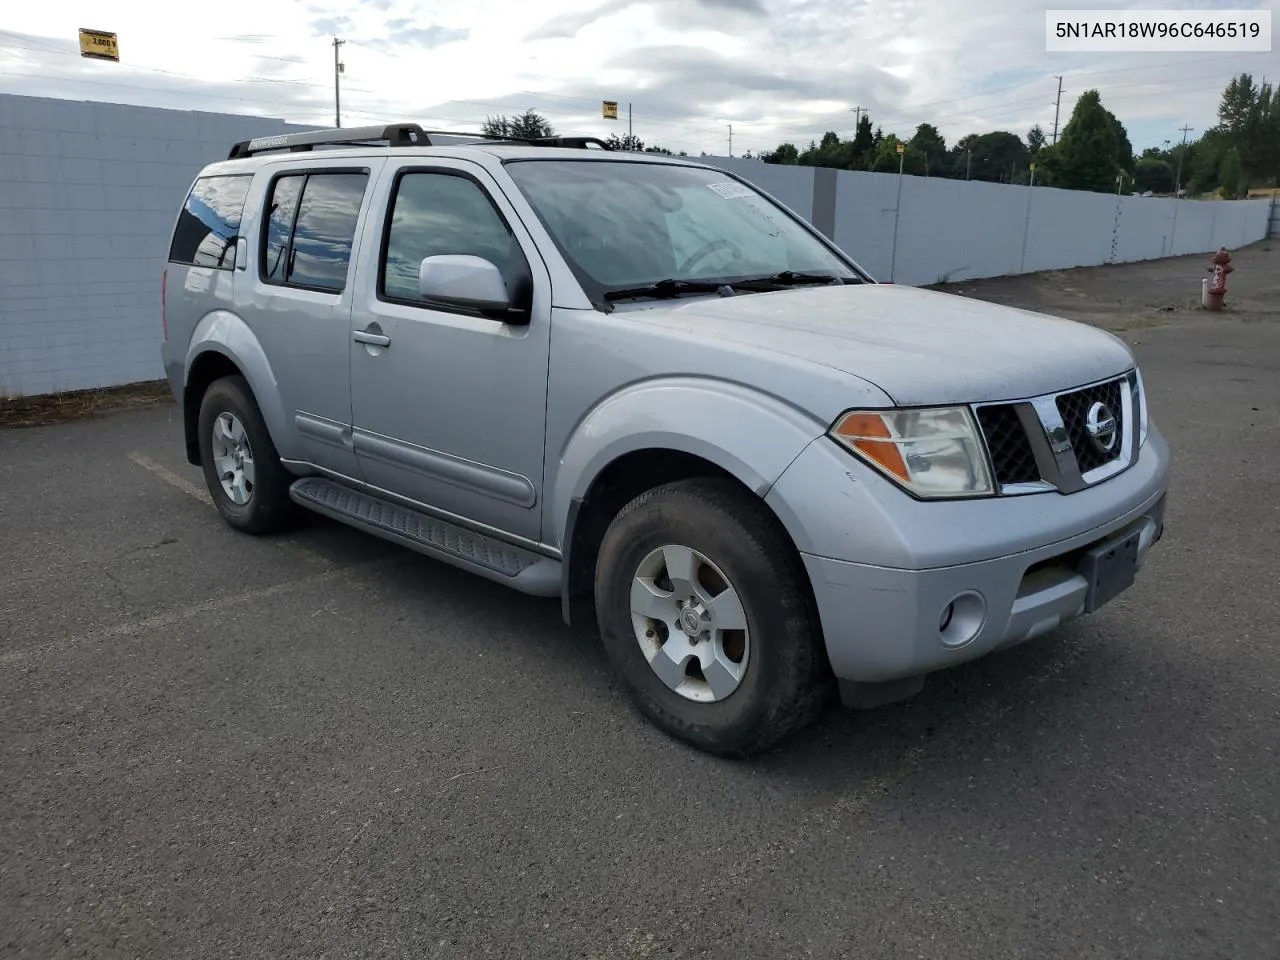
(961, 620)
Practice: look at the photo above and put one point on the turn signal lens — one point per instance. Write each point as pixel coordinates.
(933, 453)
(1142, 406)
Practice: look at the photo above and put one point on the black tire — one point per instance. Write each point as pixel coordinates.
(787, 680)
(269, 509)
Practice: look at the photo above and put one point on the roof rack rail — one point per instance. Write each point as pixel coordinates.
(395, 135)
(392, 135)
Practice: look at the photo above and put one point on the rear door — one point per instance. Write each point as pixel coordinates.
(299, 300)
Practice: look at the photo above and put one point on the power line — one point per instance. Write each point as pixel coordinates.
(704, 126)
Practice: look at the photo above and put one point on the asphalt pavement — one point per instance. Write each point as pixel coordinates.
(324, 746)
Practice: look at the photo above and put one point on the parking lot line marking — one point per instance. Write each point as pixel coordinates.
(168, 618)
(171, 478)
(186, 486)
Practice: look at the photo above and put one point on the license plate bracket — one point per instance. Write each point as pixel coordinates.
(1110, 568)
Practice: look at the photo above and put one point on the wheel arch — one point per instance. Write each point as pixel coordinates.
(223, 345)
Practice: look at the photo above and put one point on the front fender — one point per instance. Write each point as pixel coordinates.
(751, 435)
(221, 331)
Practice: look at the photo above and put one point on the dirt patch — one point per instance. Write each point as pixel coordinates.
(1134, 296)
(80, 404)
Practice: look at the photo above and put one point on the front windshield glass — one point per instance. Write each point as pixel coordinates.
(626, 224)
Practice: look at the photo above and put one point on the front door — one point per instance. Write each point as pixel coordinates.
(449, 405)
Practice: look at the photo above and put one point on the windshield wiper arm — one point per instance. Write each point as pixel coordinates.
(662, 289)
(790, 278)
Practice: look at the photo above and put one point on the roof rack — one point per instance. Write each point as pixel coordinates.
(392, 135)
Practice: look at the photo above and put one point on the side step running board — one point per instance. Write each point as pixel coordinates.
(489, 557)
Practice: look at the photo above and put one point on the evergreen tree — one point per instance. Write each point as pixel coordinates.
(1089, 149)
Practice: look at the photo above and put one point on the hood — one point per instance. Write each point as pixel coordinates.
(919, 346)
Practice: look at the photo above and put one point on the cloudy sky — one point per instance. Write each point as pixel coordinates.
(775, 69)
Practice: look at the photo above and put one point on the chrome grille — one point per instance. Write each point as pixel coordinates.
(1059, 453)
(1012, 458)
(1074, 408)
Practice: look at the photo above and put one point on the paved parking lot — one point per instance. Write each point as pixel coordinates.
(324, 746)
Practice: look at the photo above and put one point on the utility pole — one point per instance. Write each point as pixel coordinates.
(628, 121)
(338, 67)
(968, 163)
(857, 118)
(1177, 178)
(1057, 107)
(1177, 190)
(731, 139)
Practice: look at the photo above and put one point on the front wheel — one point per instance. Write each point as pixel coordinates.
(706, 616)
(242, 469)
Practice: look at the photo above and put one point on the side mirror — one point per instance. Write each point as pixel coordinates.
(463, 281)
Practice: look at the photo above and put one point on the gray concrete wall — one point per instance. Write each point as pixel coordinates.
(88, 197)
(939, 229)
(89, 193)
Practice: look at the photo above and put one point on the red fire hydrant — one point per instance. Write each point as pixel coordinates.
(1220, 267)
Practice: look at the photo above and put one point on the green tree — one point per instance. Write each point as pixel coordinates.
(1154, 174)
(998, 157)
(1124, 149)
(785, 154)
(628, 143)
(1203, 162)
(1035, 140)
(864, 144)
(1249, 119)
(524, 126)
(831, 151)
(1231, 175)
(1090, 147)
(886, 155)
(927, 151)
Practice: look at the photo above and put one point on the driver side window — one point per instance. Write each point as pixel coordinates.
(443, 213)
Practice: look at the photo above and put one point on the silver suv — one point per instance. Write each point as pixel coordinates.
(640, 383)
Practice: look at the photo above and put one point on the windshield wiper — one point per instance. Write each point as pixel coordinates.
(671, 288)
(663, 289)
(790, 278)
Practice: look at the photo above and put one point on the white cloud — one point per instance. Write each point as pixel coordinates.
(775, 69)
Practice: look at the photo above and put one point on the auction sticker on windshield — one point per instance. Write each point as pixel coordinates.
(731, 190)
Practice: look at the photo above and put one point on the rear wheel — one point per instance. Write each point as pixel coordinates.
(706, 616)
(242, 469)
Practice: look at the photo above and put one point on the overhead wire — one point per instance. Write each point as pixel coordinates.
(684, 123)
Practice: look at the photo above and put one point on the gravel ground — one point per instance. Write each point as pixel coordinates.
(323, 746)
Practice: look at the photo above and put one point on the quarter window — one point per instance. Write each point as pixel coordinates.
(205, 235)
(311, 225)
(440, 213)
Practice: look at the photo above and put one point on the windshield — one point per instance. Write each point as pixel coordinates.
(622, 225)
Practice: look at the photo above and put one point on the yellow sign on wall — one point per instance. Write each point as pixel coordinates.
(610, 110)
(99, 45)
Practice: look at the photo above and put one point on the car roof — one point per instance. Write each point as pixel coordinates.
(410, 140)
(476, 152)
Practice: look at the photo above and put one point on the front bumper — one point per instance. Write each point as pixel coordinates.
(884, 624)
(885, 568)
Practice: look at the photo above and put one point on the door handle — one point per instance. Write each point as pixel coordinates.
(372, 339)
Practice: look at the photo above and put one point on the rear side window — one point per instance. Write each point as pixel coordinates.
(311, 225)
(210, 220)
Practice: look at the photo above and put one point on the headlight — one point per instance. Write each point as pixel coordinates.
(931, 453)
(1142, 406)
